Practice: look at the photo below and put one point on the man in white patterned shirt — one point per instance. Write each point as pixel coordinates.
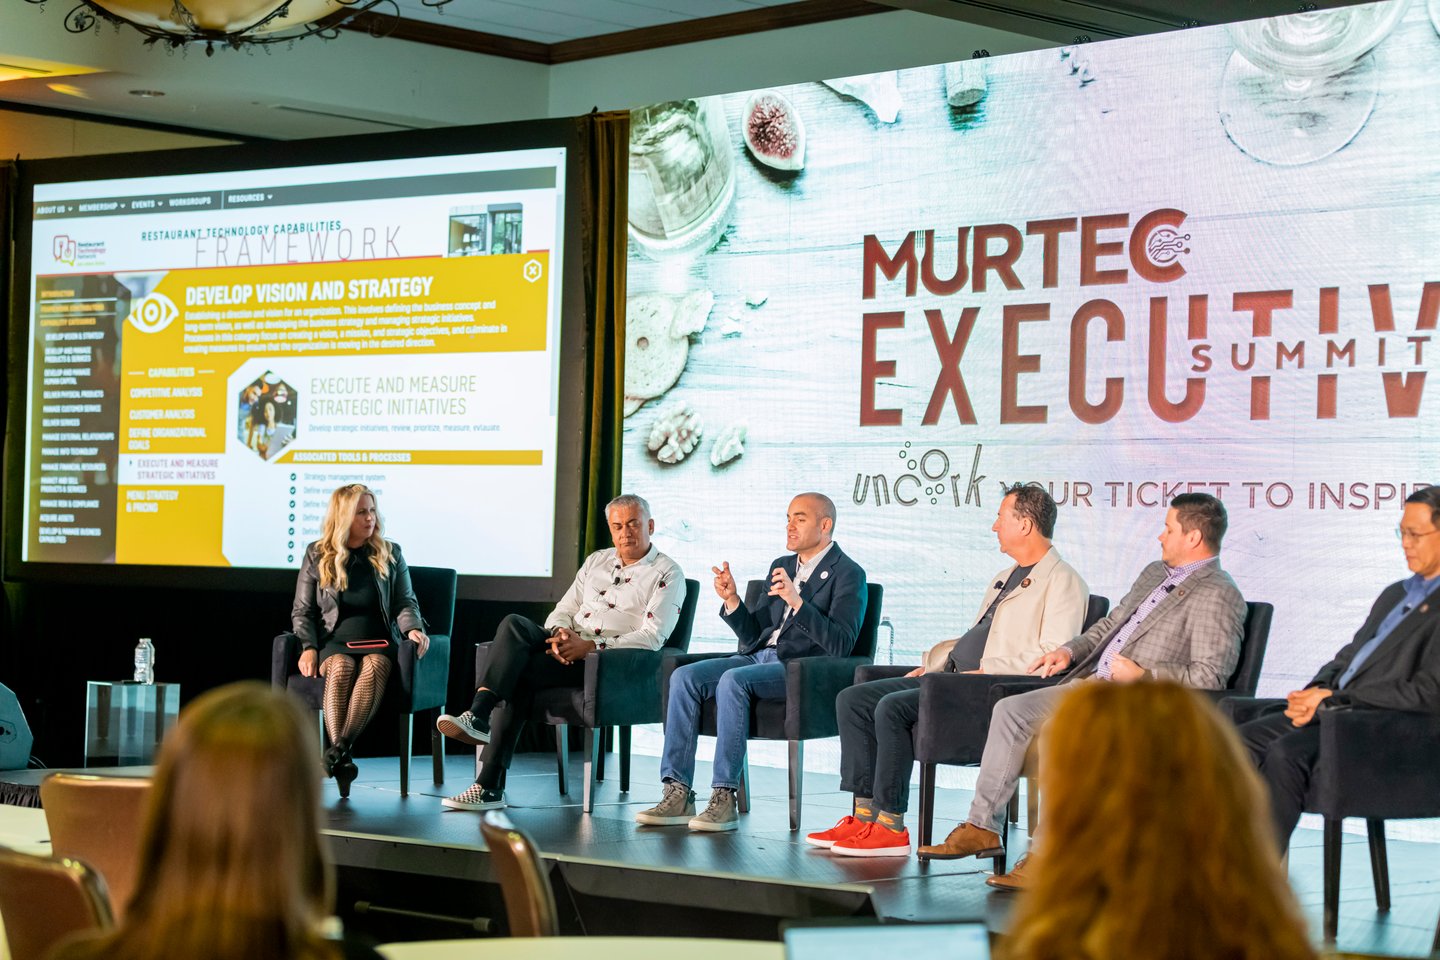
(626, 597)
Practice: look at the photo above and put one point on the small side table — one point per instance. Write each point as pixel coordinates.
(125, 721)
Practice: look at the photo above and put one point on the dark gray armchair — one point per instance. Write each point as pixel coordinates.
(1375, 764)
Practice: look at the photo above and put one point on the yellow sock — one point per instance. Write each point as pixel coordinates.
(894, 822)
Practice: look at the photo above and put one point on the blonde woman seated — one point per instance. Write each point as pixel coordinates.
(353, 608)
(1157, 839)
(231, 866)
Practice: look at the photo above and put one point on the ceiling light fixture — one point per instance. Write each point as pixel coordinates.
(233, 23)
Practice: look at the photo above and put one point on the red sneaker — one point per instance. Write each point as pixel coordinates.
(844, 830)
(874, 841)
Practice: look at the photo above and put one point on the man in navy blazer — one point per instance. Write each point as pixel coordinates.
(814, 608)
(1393, 663)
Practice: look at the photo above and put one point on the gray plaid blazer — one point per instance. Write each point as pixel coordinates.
(1192, 637)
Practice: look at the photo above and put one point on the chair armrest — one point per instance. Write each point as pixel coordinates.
(1002, 687)
(284, 658)
(1378, 764)
(876, 671)
(1244, 709)
(673, 662)
(811, 686)
(622, 687)
(955, 708)
(425, 679)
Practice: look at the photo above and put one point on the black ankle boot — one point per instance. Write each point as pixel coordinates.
(331, 757)
(345, 774)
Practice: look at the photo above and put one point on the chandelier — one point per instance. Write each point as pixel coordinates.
(235, 23)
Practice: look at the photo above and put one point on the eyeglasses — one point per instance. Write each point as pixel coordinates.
(1412, 536)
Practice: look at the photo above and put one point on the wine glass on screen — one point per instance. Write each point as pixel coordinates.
(1299, 87)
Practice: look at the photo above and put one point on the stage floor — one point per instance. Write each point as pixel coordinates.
(765, 855)
(614, 877)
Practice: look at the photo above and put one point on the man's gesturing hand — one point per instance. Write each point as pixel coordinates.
(725, 586)
(783, 587)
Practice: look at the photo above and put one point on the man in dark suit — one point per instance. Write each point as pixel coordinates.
(814, 608)
(1392, 664)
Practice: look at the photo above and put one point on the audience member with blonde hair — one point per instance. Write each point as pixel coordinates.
(353, 608)
(231, 866)
(1157, 840)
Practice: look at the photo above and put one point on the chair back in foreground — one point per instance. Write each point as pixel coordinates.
(98, 820)
(44, 900)
(524, 881)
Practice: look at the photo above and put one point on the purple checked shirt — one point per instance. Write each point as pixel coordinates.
(1175, 577)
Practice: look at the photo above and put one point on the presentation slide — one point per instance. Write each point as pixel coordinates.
(212, 354)
(1196, 261)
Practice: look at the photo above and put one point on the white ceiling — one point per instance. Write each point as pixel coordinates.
(359, 84)
(555, 21)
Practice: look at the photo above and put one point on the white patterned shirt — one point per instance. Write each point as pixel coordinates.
(634, 606)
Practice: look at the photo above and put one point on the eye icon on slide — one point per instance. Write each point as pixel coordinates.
(533, 270)
(153, 314)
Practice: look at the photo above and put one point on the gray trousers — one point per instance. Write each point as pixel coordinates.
(1013, 725)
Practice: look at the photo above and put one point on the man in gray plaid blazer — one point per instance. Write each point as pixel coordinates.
(1182, 621)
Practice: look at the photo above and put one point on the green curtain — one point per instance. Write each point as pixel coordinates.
(605, 137)
(9, 652)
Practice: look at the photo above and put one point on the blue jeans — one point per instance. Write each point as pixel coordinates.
(732, 682)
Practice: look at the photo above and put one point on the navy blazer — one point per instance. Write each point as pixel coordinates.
(828, 621)
(1404, 671)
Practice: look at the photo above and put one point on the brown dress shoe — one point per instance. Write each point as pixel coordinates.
(966, 840)
(1016, 879)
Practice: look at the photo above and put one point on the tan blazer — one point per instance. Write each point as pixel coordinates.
(1044, 612)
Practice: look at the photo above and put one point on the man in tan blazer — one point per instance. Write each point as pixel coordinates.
(1182, 621)
(1029, 609)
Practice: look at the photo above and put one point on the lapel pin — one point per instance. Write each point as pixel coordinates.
(824, 574)
(1424, 607)
(1180, 591)
(1024, 583)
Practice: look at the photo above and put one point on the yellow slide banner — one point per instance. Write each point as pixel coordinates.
(177, 526)
(184, 339)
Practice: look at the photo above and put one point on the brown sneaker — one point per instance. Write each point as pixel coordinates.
(966, 840)
(1016, 879)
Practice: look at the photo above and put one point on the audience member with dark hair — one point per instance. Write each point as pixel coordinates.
(231, 866)
(1155, 841)
(353, 608)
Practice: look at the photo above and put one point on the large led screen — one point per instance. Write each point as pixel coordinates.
(1197, 261)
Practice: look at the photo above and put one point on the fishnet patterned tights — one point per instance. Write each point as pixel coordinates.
(350, 700)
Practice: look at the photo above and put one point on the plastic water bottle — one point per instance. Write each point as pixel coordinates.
(885, 624)
(144, 661)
